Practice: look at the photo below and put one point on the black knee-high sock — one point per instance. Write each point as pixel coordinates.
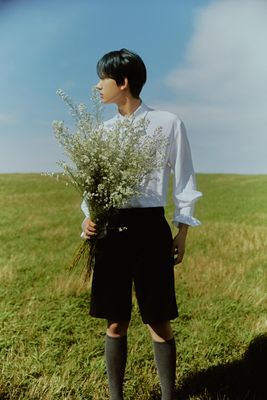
(165, 358)
(116, 356)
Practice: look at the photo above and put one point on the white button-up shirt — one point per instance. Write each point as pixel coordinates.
(177, 161)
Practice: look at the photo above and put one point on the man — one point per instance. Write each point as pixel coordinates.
(144, 252)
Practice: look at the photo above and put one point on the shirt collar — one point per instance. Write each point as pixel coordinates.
(139, 112)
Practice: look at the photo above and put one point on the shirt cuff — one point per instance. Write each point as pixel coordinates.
(186, 219)
(85, 209)
(83, 236)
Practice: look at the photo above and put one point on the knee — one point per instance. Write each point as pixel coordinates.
(161, 332)
(117, 329)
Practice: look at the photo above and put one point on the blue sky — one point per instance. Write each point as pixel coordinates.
(206, 61)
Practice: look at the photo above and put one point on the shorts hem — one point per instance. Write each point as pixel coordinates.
(160, 320)
(109, 317)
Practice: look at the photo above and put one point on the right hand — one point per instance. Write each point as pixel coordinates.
(89, 228)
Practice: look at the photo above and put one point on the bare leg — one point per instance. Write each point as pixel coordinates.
(161, 332)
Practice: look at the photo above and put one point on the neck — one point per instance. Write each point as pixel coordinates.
(128, 106)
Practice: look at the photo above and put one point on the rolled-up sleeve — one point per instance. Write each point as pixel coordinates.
(184, 182)
(86, 212)
(85, 209)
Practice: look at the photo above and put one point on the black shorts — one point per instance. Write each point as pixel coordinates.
(139, 255)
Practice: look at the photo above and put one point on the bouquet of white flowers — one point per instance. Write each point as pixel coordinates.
(107, 165)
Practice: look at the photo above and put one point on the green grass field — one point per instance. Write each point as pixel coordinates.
(51, 349)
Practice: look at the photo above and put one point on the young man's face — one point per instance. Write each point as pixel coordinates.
(109, 91)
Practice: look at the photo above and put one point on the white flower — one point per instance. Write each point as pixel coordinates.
(107, 165)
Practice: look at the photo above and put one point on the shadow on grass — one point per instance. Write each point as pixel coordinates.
(244, 379)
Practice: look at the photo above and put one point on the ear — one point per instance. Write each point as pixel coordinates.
(125, 84)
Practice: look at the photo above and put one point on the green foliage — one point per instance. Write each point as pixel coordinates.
(51, 350)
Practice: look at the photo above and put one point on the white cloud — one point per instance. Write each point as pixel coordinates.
(221, 89)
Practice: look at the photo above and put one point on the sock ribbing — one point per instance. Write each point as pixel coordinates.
(165, 359)
(116, 357)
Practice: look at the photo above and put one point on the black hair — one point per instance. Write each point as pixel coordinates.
(121, 64)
